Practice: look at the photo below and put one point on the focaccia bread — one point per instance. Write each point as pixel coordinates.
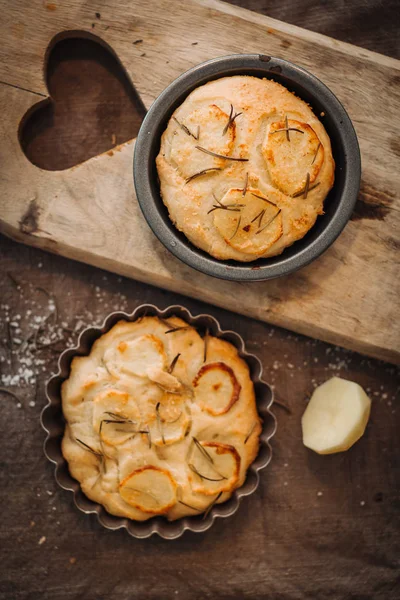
(244, 168)
(159, 421)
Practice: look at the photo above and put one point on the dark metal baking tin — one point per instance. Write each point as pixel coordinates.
(53, 423)
(338, 205)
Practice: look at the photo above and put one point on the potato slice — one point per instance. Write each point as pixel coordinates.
(184, 154)
(170, 421)
(336, 416)
(135, 357)
(216, 388)
(151, 489)
(250, 223)
(289, 160)
(214, 467)
(116, 416)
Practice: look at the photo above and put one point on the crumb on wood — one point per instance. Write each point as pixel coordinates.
(42, 540)
(137, 42)
(72, 560)
(194, 43)
(98, 15)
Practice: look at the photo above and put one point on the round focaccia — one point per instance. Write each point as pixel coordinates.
(244, 168)
(159, 421)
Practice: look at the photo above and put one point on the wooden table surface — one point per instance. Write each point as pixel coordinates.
(317, 527)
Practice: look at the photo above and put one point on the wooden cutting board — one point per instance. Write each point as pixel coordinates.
(349, 296)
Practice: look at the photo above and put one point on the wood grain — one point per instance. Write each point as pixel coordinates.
(349, 296)
(318, 527)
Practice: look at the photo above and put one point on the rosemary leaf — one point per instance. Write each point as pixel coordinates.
(250, 432)
(211, 505)
(306, 187)
(193, 468)
(265, 199)
(220, 155)
(89, 448)
(203, 450)
(190, 506)
(316, 153)
(310, 187)
(177, 329)
(185, 129)
(269, 222)
(231, 119)
(173, 363)
(287, 129)
(200, 173)
(237, 228)
(159, 422)
(246, 183)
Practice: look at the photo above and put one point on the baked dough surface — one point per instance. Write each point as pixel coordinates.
(261, 204)
(151, 434)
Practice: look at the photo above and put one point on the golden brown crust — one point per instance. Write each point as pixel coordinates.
(132, 425)
(275, 145)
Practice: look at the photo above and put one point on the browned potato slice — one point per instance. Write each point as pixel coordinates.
(116, 416)
(250, 223)
(185, 156)
(216, 388)
(214, 467)
(151, 489)
(135, 357)
(289, 160)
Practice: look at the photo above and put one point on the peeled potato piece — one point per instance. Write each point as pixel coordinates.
(216, 388)
(135, 357)
(214, 467)
(289, 160)
(336, 416)
(151, 489)
(251, 223)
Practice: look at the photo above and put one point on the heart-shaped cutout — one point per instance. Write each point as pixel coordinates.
(92, 105)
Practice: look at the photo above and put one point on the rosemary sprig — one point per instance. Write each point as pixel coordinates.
(190, 506)
(211, 505)
(200, 173)
(186, 129)
(237, 228)
(246, 183)
(220, 155)
(230, 207)
(195, 470)
(269, 222)
(231, 119)
(173, 363)
(115, 415)
(310, 187)
(177, 329)
(250, 432)
(260, 217)
(89, 448)
(306, 187)
(203, 450)
(316, 153)
(265, 199)
(159, 422)
(287, 129)
(164, 322)
(206, 336)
